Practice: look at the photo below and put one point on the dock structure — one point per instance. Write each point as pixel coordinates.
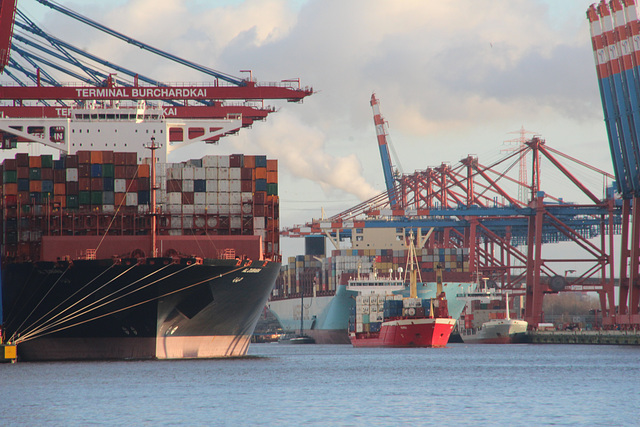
(631, 337)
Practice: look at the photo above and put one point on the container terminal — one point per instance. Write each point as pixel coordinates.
(502, 220)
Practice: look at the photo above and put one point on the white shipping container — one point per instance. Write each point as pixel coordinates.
(210, 161)
(359, 327)
(142, 209)
(211, 198)
(235, 186)
(120, 185)
(187, 185)
(174, 209)
(223, 173)
(199, 198)
(235, 198)
(110, 208)
(247, 208)
(187, 173)
(187, 221)
(247, 197)
(234, 173)
(175, 198)
(235, 222)
(212, 209)
(132, 199)
(199, 209)
(188, 209)
(223, 198)
(198, 173)
(212, 222)
(223, 185)
(223, 161)
(174, 173)
(211, 173)
(235, 210)
(72, 174)
(176, 222)
(258, 222)
(223, 209)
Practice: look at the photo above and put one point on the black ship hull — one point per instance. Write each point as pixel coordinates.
(150, 308)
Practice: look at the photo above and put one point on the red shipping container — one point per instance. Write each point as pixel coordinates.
(246, 186)
(71, 161)
(60, 200)
(83, 157)
(10, 164)
(119, 159)
(46, 174)
(120, 171)
(59, 175)
(22, 160)
(187, 198)
(132, 159)
(10, 189)
(260, 197)
(132, 185)
(84, 184)
(246, 173)
(23, 172)
(236, 160)
(107, 157)
(84, 170)
(258, 210)
(174, 186)
(131, 172)
(73, 188)
(144, 184)
(11, 199)
(272, 165)
(96, 184)
(23, 197)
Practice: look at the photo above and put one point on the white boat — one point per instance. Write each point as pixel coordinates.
(496, 331)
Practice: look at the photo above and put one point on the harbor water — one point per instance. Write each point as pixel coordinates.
(320, 385)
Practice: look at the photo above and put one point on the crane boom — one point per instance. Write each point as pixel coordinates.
(387, 167)
(7, 13)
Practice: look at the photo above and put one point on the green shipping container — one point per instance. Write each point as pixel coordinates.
(96, 198)
(47, 161)
(72, 202)
(107, 170)
(84, 197)
(10, 177)
(272, 189)
(35, 174)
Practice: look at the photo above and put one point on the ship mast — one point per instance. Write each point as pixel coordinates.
(153, 147)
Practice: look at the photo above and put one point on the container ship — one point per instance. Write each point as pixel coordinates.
(384, 319)
(93, 267)
(322, 282)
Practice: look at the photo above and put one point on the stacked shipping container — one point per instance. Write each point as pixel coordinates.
(305, 272)
(97, 192)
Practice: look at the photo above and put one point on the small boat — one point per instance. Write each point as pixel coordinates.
(497, 331)
(385, 319)
(300, 338)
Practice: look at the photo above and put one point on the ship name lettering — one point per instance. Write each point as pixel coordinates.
(141, 92)
(252, 270)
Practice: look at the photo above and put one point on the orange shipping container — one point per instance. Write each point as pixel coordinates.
(60, 201)
(272, 177)
(249, 161)
(35, 162)
(120, 199)
(144, 171)
(35, 186)
(60, 189)
(272, 165)
(261, 173)
(96, 157)
(10, 189)
(84, 157)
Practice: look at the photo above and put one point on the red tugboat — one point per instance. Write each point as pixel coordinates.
(385, 319)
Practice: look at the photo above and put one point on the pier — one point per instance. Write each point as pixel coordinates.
(585, 337)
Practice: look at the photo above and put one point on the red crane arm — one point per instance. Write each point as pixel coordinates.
(7, 13)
